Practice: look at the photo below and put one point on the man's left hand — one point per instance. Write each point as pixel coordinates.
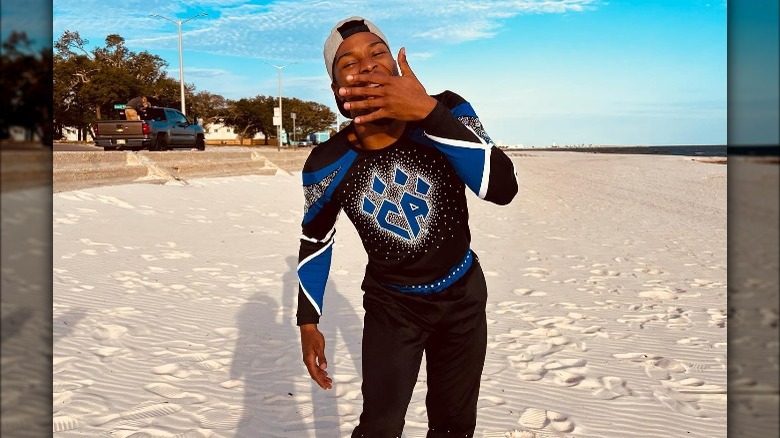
(397, 97)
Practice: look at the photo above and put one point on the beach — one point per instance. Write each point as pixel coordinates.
(174, 306)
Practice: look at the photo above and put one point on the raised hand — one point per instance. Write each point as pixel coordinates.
(393, 97)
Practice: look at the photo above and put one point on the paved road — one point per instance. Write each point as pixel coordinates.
(81, 147)
(58, 147)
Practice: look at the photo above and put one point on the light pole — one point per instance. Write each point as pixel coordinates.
(181, 61)
(279, 126)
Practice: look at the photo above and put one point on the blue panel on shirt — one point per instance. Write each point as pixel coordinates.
(468, 163)
(309, 178)
(314, 274)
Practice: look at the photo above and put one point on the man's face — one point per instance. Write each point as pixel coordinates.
(362, 52)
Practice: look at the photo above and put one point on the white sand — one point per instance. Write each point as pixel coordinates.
(174, 307)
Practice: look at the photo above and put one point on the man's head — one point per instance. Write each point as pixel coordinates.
(355, 45)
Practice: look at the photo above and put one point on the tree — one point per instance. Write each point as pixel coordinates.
(248, 117)
(210, 107)
(87, 84)
(310, 117)
(26, 86)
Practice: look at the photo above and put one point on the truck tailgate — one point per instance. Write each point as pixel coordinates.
(120, 128)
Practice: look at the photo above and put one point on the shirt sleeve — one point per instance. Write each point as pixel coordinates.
(454, 128)
(318, 229)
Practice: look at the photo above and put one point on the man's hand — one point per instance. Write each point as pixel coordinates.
(397, 97)
(313, 346)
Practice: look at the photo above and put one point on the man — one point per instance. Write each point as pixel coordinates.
(399, 172)
(136, 105)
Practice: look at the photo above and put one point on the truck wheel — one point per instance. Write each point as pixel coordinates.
(200, 143)
(109, 148)
(161, 143)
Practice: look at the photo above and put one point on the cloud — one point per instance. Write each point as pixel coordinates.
(200, 72)
(293, 30)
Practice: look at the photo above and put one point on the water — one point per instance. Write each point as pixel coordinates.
(686, 150)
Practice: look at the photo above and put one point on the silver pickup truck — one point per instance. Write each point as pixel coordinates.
(159, 129)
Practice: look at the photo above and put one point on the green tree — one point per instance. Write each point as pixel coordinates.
(310, 117)
(25, 86)
(87, 83)
(248, 117)
(210, 107)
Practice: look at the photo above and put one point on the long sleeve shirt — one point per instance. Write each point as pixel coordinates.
(407, 202)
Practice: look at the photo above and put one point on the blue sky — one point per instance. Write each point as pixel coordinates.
(537, 72)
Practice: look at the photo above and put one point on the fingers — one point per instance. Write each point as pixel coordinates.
(403, 64)
(376, 115)
(361, 91)
(317, 372)
(363, 104)
(369, 78)
(313, 346)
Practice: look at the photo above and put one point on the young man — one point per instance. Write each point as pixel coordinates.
(399, 172)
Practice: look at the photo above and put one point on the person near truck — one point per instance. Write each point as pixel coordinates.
(400, 171)
(135, 106)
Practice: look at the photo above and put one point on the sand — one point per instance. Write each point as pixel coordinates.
(173, 307)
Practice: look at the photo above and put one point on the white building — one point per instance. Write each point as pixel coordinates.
(218, 131)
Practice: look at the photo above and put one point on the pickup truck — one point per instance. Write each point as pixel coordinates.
(159, 129)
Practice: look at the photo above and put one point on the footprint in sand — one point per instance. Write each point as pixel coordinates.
(536, 272)
(658, 294)
(143, 411)
(568, 378)
(174, 370)
(717, 317)
(221, 416)
(679, 403)
(695, 342)
(561, 364)
(62, 423)
(533, 371)
(529, 293)
(660, 369)
(108, 331)
(638, 320)
(650, 270)
(108, 353)
(541, 420)
(612, 388)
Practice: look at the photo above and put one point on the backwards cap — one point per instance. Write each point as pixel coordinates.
(343, 30)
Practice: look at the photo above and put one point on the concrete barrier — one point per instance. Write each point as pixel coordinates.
(22, 169)
(75, 170)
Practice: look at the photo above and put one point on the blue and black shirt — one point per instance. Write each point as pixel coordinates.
(407, 202)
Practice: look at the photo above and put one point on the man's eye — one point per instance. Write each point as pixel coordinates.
(348, 64)
(381, 52)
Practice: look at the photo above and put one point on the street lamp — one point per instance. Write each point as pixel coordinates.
(181, 61)
(279, 126)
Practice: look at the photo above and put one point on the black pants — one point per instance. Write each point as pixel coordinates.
(451, 328)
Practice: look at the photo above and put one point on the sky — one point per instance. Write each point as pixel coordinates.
(537, 72)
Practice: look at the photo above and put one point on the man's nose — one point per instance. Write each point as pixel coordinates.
(367, 65)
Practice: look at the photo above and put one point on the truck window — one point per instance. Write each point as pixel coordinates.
(157, 114)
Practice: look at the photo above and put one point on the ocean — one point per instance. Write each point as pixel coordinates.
(686, 150)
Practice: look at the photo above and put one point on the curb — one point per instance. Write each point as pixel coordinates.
(77, 170)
